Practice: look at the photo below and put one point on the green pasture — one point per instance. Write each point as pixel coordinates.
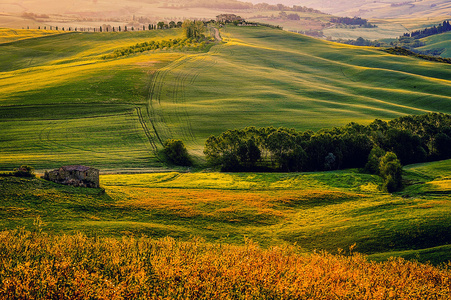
(62, 103)
(8, 35)
(317, 211)
(438, 42)
(384, 30)
(262, 77)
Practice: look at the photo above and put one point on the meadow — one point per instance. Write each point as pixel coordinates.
(316, 211)
(325, 235)
(441, 42)
(205, 234)
(62, 102)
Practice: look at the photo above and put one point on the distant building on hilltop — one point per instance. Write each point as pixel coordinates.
(75, 176)
(228, 18)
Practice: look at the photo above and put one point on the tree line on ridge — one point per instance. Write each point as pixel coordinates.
(376, 147)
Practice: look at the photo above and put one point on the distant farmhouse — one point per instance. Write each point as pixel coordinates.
(75, 176)
(228, 18)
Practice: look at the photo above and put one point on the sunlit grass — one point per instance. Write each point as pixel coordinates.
(440, 42)
(8, 35)
(38, 78)
(258, 77)
(327, 210)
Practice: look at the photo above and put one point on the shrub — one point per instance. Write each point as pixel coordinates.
(176, 152)
(374, 158)
(391, 170)
(24, 171)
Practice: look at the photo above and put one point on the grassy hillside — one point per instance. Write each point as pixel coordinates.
(441, 42)
(10, 35)
(292, 81)
(327, 211)
(387, 9)
(62, 103)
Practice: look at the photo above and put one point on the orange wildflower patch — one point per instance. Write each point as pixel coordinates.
(38, 266)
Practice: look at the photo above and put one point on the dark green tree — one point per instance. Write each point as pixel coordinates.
(188, 29)
(374, 159)
(391, 171)
(248, 153)
(441, 146)
(24, 171)
(193, 30)
(160, 25)
(176, 152)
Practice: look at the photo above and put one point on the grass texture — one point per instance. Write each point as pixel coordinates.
(60, 102)
(317, 211)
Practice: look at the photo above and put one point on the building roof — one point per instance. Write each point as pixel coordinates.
(76, 168)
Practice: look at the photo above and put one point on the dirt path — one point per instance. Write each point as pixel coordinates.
(217, 35)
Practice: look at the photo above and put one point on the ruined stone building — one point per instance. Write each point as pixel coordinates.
(75, 176)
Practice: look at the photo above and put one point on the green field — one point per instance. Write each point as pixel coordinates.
(440, 42)
(153, 230)
(61, 103)
(322, 211)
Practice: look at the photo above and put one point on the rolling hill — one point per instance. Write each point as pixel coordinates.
(439, 42)
(66, 98)
(317, 211)
(62, 103)
(378, 9)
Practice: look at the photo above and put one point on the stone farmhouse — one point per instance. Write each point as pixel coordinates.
(228, 18)
(75, 176)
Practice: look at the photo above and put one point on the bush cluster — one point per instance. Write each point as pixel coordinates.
(405, 52)
(175, 151)
(176, 44)
(353, 21)
(24, 171)
(411, 139)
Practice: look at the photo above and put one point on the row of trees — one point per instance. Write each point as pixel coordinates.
(215, 4)
(411, 139)
(294, 17)
(352, 21)
(441, 28)
(171, 24)
(109, 28)
(177, 44)
(281, 7)
(411, 41)
(240, 5)
(194, 40)
(402, 51)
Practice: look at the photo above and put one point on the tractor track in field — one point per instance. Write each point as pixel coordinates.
(168, 85)
(148, 134)
(49, 143)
